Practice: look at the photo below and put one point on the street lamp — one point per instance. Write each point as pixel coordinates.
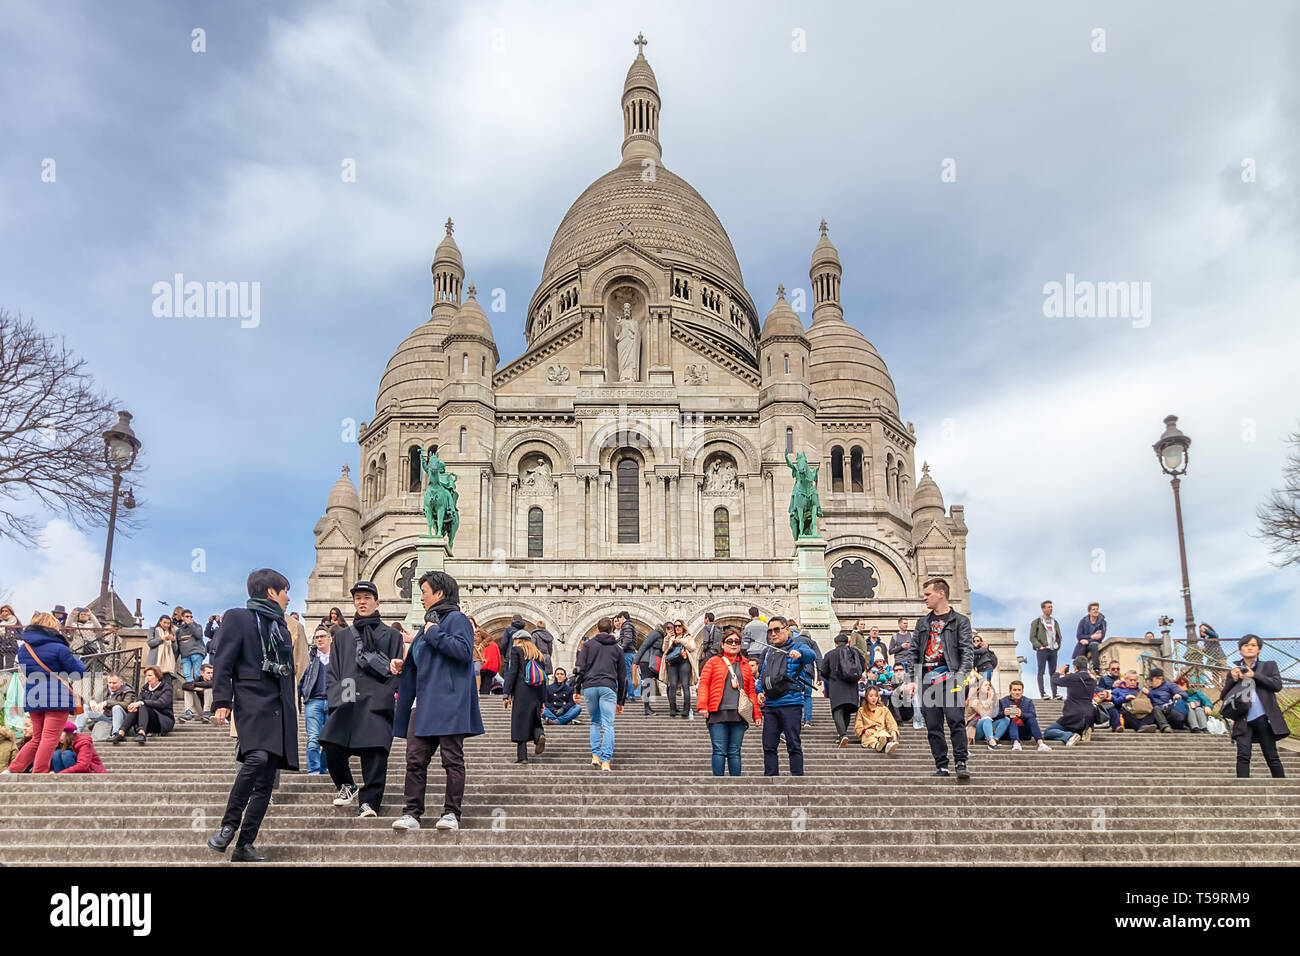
(1171, 450)
(120, 448)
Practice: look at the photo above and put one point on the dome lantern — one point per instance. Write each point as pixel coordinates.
(641, 109)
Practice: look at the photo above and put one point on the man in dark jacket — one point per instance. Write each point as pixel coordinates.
(1077, 715)
(650, 649)
(560, 707)
(190, 649)
(710, 640)
(545, 642)
(939, 662)
(626, 632)
(254, 678)
(210, 634)
(1046, 638)
(506, 640)
(365, 658)
(1264, 721)
(313, 698)
(790, 662)
(439, 673)
(1016, 717)
(1163, 694)
(113, 707)
(601, 683)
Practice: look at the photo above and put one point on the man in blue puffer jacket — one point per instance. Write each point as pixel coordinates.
(1163, 693)
(783, 712)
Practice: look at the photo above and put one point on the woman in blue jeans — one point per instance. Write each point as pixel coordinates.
(726, 695)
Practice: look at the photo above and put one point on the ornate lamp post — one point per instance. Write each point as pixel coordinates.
(1171, 450)
(120, 448)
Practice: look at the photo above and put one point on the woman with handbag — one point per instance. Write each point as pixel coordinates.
(728, 699)
(162, 646)
(44, 657)
(1262, 721)
(679, 669)
(523, 692)
(152, 711)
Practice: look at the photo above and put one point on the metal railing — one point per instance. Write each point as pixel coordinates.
(90, 686)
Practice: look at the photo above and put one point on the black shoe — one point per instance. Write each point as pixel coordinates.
(248, 854)
(941, 772)
(521, 760)
(539, 748)
(221, 839)
(118, 738)
(648, 711)
(962, 772)
(139, 738)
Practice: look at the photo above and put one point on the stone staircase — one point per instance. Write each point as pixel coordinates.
(1158, 798)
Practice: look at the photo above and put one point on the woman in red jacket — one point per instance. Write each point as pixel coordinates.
(726, 694)
(483, 644)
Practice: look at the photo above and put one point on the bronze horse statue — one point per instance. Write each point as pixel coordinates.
(440, 498)
(805, 505)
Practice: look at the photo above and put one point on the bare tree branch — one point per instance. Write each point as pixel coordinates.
(1279, 516)
(52, 419)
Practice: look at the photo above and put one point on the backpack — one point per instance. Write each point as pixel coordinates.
(1236, 702)
(848, 664)
(776, 682)
(534, 676)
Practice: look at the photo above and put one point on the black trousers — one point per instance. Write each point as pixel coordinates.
(143, 718)
(374, 770)
(1258, 730)
(419, 751)
(934, 711)
(1093, 653)
(679, 674)
(1046, 663)
(485, 679)
(784, 721)
(845, 716)
(250, 795)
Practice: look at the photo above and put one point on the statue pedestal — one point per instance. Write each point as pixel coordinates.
(430, 555)
(814, 616)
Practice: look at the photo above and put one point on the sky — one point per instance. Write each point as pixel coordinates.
(965, 156)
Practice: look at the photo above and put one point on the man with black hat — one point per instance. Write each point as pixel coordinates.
(439, 674)
(365, 658)
(253, 677)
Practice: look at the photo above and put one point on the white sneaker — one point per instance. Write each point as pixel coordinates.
(406, 822)
(366, 812)
(891, 746)
(1044, 749)
(1016, 746)
(1074, 739)
(346, 795)
(448, 821)
(691, 716)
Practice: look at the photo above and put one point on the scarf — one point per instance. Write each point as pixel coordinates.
(265, 607)
(366, 627)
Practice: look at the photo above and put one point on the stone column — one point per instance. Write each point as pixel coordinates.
(485, 513)
(512, 545)
(431, 555)
(814, 585)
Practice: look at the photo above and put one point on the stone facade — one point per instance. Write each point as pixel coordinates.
(634, 456)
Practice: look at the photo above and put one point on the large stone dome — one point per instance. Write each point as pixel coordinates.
(667, 217)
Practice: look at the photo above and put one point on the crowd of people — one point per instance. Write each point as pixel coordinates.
(360, 684)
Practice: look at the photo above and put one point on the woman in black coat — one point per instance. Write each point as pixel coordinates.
(523, 699)
(1265, 723)
(152, 710)
(842, 667)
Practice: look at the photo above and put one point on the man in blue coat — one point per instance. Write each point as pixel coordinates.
(438, 673)
(784, 674)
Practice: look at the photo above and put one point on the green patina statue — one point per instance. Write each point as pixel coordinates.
(440, 497)
(805, 505)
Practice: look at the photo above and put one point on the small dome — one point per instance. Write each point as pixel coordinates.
(781, 320)
(825, 252)
(344, 494)
(448, 252)
(927, 497)
(845, 370)
(470, 319)
(414, 372)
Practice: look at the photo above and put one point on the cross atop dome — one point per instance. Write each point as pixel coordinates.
(780, 290)
(449, 225)
(470, 291)
(823, 226)
(640, 42)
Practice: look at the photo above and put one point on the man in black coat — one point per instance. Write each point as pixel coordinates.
(625, 631)
(365, 659)
(939, 661)
(1264, 722)
(710, 640)
(254, 678)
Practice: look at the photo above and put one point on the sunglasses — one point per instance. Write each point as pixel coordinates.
(734, 643)
(775, 630)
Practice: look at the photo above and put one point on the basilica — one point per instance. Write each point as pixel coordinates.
(634, 456)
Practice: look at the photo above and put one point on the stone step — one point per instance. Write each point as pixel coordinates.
(428, 846)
